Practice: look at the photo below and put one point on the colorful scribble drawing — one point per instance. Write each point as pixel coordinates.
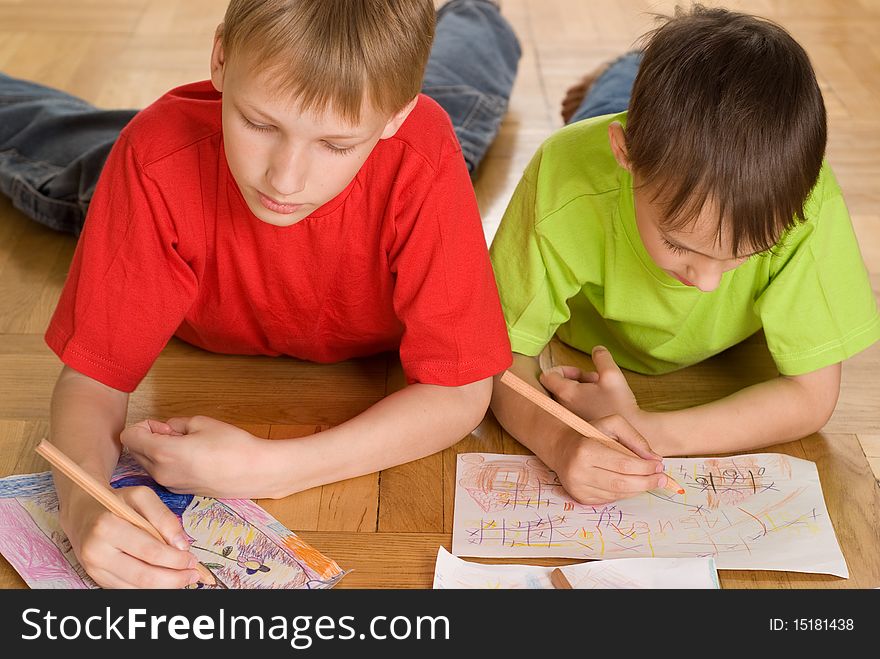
(762, 511)
(504, 483)
(242, 545)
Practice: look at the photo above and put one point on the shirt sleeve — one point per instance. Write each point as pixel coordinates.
(819, 308)
(534, 283)
(128, 288)
(444, 293)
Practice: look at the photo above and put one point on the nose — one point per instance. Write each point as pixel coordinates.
(707, 275)
(287, 171)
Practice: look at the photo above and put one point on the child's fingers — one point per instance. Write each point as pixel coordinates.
(639, 445)
(136, 437)
(180, 424)
(108, 578)
(619, 462)
(594, 496)
(574, 373)
(557, 384)
(619, 428)
(131, 572)
(148, 504)
(605, 364)
(622, 485)
(143, 460)
(147, 549)
(160, 427)
(120, 555)
(142, 442)
(590, 377)
(141, 426)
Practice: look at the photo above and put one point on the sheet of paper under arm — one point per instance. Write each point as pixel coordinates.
(242, 545)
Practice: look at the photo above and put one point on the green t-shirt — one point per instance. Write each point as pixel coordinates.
(569, 260)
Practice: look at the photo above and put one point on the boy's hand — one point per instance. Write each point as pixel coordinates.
(201, 455)
(592, 394)
(593, 473)
(117, 554)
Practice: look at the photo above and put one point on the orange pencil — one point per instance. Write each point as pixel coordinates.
(573, 421)
(559, 580)
(107, 497)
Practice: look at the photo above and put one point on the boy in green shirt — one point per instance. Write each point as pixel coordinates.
(668, 233)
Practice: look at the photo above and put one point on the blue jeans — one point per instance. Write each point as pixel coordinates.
(470, 72)
(610, 92)
(53, 145)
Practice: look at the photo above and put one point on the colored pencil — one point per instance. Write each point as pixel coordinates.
(105, 495)
(559, 580)
(573, 421)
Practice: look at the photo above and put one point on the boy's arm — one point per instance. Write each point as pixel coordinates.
(86, 418)
(206, 456)
(589, 471)
(779, 410)
(409, 424)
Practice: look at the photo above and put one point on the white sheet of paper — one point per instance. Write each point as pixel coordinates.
(749, 512)
(453, 572)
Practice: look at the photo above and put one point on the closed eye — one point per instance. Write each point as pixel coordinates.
(338, 150)
(675, 249)
(257, 127)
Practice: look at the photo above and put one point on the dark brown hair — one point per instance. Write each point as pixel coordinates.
(726, 109)
(335, 53)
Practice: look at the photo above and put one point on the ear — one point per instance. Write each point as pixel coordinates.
(396, 121)
(617, 139)
(218, 60)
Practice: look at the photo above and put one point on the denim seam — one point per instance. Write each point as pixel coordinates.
(495, 99)
(66, 217)
(19, 182)
(15, 100)
(16, 152)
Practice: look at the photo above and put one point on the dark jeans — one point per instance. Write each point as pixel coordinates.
(53, 145)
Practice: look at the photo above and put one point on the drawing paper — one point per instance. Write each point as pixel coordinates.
(749, 512)
(453, 572)
(242, 545)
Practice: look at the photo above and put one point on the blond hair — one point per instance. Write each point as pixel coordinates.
(335, 53)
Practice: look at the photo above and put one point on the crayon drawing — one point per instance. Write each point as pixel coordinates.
(242, 545)
(761, 512)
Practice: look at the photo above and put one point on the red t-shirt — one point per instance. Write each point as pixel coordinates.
(396, 260)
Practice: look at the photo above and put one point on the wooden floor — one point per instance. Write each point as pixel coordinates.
(125, 53)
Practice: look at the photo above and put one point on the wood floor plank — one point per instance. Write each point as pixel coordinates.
(18, 439)
(300, 510)
(23, 278)
(411, 494)
(348, 505)
(186, 380)
(870, 444)
(275, 390)
(853, 501)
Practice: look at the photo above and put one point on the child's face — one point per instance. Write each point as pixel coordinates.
(692, 255)
(287, 163)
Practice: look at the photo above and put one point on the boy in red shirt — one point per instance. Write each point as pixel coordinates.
(305, 201)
